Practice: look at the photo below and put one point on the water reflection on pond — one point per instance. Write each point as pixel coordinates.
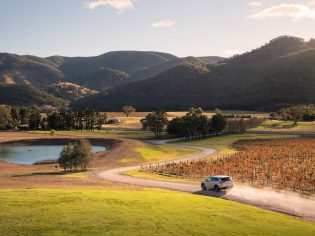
(30, 154)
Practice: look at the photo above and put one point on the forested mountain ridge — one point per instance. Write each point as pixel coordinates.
(272, 76)
(281, 72)
(71, 78)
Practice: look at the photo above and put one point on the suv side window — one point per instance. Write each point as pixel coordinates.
(214, 179)
(209, 179)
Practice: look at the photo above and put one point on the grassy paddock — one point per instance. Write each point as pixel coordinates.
(156, 153)
(132, 134)
(278, 125)
(146, 212)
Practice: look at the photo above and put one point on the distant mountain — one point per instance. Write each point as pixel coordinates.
(27, 70)
(22, 95)
(210, 60)
(158, 69)
(105, 79)
(69, 91)
(278, 47)
(78, 69)
(281, 72)
(71, 77)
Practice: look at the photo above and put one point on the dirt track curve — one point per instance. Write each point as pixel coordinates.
(266, 199)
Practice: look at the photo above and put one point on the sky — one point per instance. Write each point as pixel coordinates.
(181, 27)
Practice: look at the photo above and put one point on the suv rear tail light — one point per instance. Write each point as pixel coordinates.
(221, 182)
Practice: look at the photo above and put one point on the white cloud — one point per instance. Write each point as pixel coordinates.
(163, 24)
(255, 4)
(293, 11)
(120, 5)
(233, 52)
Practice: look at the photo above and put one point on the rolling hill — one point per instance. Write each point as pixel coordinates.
(71, 78)
(28, 70)
(69, 91)
(280, 73)
(21, 95)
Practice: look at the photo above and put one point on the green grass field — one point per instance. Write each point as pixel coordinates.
(156, 153)
(164, 152)
(148, 212)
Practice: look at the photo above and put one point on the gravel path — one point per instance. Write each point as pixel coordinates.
(266, 199)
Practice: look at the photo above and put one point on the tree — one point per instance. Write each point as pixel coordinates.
(100, 120)
(127, 110)
(76, 155)
(15, 117)
(54, 121)
(218, 122)
(155, 122)
(82, 152)
(5, 116)
(193, 124)
(24, 115)
(66, 156)
(34, 120)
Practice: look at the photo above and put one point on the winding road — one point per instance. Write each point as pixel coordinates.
(266, 199)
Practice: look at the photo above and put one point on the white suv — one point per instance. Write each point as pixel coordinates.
(217, 183)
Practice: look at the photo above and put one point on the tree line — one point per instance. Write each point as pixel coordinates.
(75, 120)
(295, 113)
(193, 124)
(196, 124)
(32, 118)
(12, 117)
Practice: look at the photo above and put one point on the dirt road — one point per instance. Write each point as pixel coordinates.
(266, 199)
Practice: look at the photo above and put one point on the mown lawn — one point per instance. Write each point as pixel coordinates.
(155, 153)
(164, 152)
(125, 212)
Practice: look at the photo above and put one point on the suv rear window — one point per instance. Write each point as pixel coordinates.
(226, 179)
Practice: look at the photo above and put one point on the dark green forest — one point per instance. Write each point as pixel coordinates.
(281, 73)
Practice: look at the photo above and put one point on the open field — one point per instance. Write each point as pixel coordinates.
(145, 212)
(155, 153)
(114, 208)
(285, 126)
(111, 133)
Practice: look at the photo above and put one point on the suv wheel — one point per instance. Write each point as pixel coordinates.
(216, 188)
(203, 187)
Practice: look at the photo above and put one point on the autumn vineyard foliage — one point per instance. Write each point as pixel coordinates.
(276, 163)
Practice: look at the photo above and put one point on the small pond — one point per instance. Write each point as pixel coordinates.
(28, 155)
